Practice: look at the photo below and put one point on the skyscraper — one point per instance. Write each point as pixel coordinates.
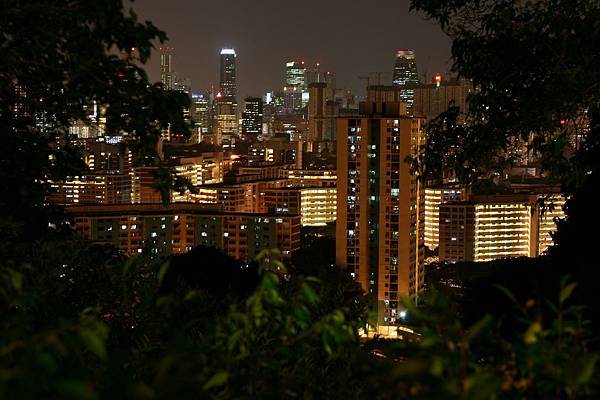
(380, 207)
(200, 115)
(227, 120)
(295, 74)
(295, 89)
(227, 84)
(166, 67)
(252, 117)
(405, 75)
(317, 111)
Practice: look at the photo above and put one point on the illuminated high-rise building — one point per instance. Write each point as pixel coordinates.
(227, 84)
(200, 114)
(406, 75)
(227, 118)
(166, 67)
(252, 117)
(295, 74)
(380, 206)
(292, 98)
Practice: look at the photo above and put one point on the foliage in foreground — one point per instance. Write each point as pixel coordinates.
(82, 322)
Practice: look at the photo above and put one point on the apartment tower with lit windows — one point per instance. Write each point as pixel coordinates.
(380, 206)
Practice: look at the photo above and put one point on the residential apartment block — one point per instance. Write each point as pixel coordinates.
(380, 207)
(177, 228)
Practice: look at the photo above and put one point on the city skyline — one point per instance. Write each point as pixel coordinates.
(265, 37)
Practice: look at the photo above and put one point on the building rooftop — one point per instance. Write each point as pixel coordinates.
(160, 209)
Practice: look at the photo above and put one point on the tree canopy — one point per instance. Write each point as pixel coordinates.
(534, 67)
(61, 62)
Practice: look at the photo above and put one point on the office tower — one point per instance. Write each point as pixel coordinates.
(292, 99)
(182, 85)
(166, 67)
(200, 116)
(227, 86)
(295, 74)
(405, 75)
(380, 207)
(227, 120)
(252, 117)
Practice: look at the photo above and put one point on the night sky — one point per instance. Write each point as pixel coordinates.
(351, 38)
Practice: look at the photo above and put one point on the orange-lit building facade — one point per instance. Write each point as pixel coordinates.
(312, 177)
(380, 207)
(93, 188)
(496, 226)
(316, 205)
(434, 196)
(177, 228)
(246, 197)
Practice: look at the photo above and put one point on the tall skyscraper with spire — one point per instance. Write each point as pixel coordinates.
(406, 75)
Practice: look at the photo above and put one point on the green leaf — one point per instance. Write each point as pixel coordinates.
(218, 379)
(75, 389)
(309, 294)
(566, 292)
(143, 391)
(164, 268)
(532, 333)
(582, 369)
(234, 339)
(507, 293)
(16, 278)
(477, 327)
(192, 294)
(164, 301)
(93, 342)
